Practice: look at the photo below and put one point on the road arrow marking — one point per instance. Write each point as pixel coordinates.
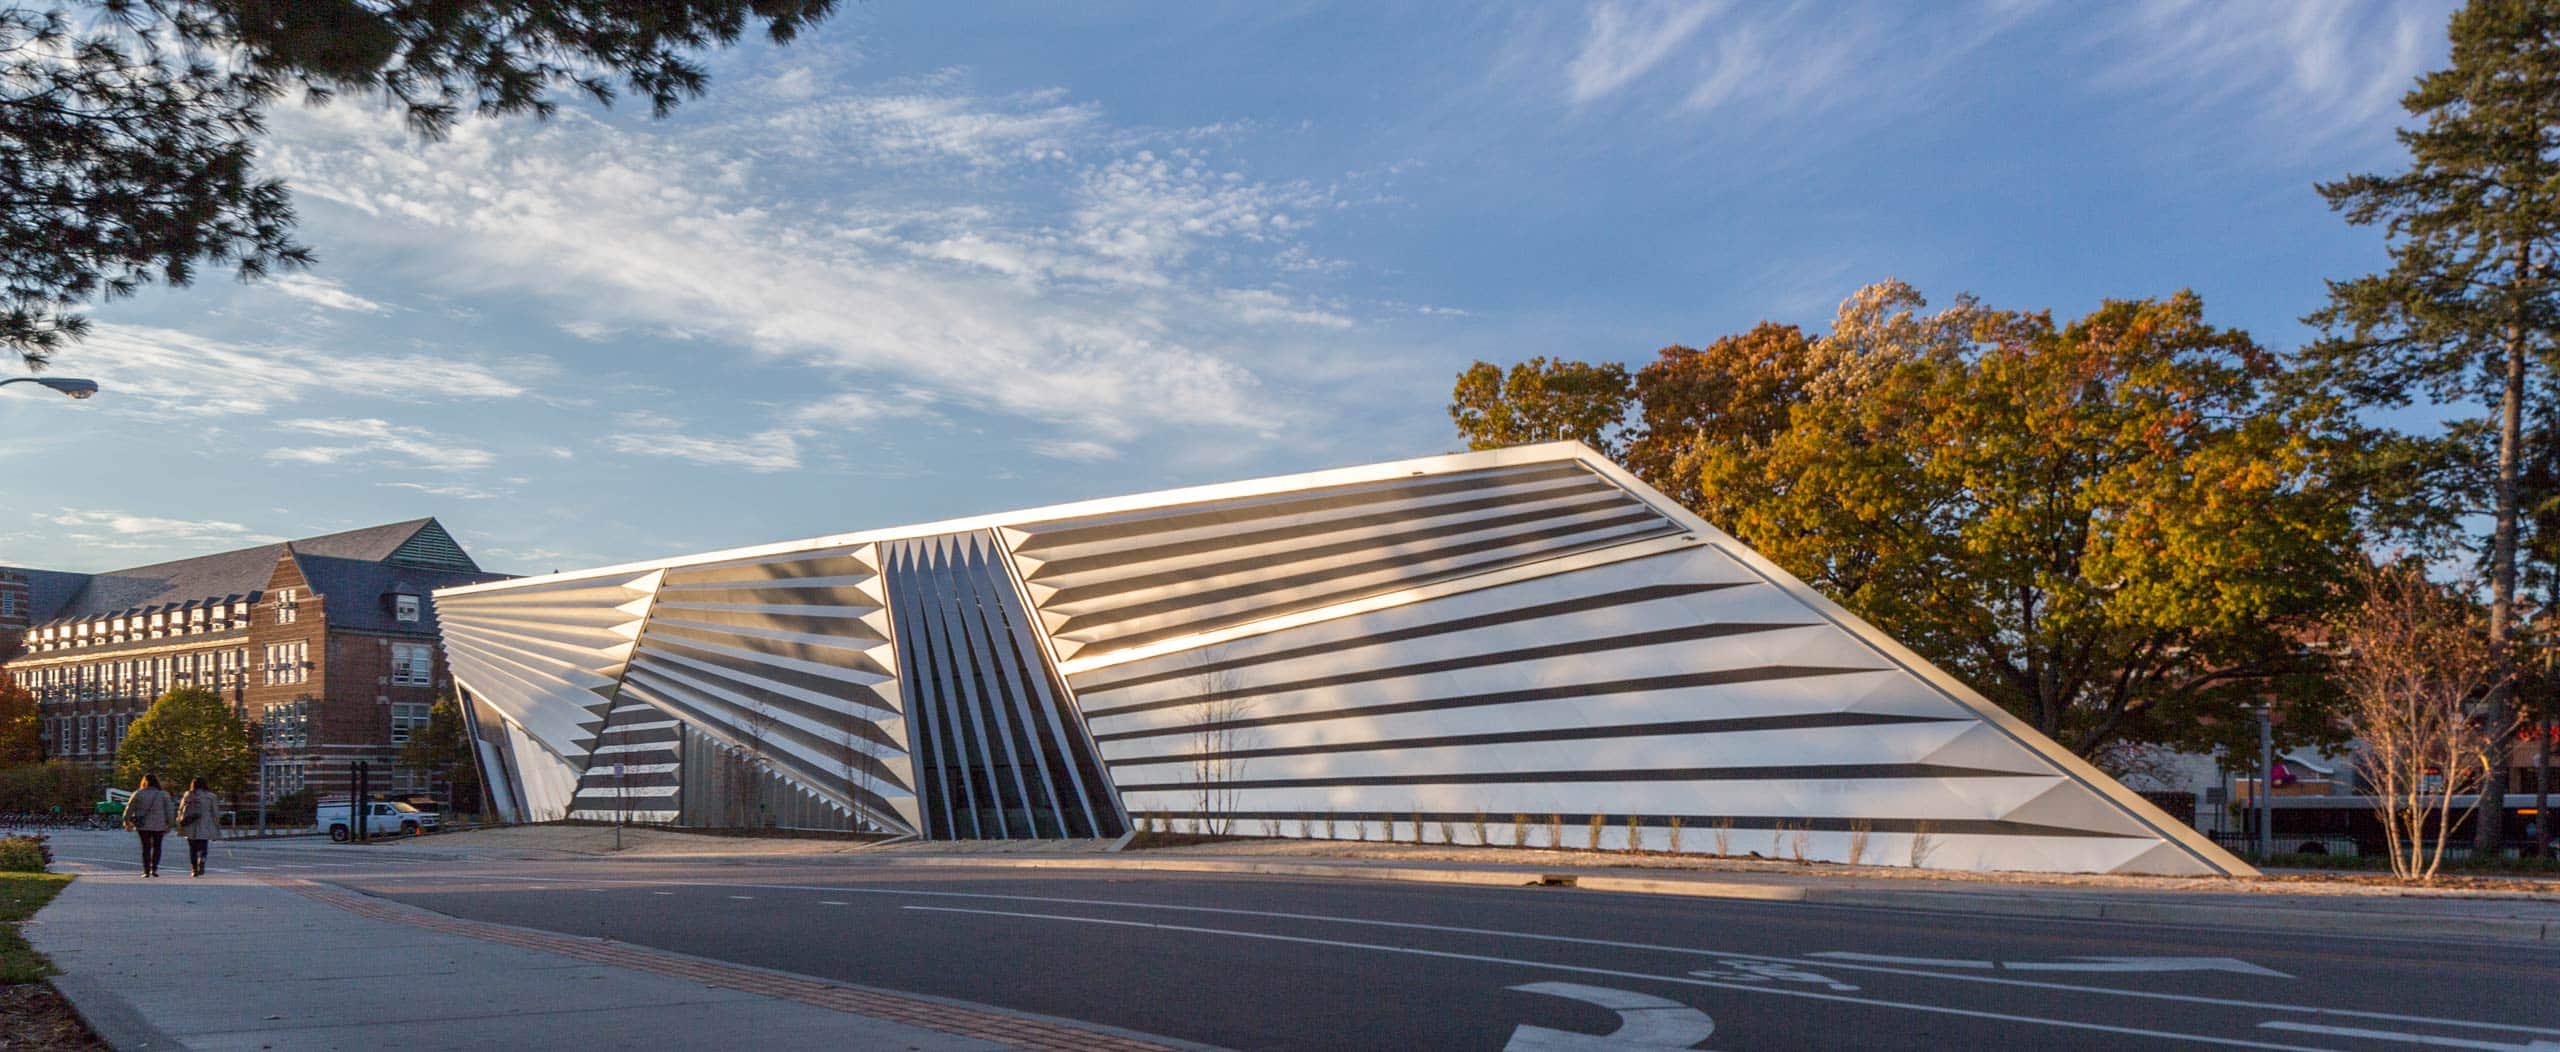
(1646, 1022)
(2422, 1039)
(2144, 964)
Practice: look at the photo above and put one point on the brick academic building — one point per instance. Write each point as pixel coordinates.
(328, 644)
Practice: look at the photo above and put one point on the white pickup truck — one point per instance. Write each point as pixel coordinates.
(381, 819)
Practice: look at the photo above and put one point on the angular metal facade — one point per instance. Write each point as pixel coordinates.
(1523, 646)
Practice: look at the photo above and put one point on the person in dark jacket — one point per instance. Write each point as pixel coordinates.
(200, 821)
(150, 814)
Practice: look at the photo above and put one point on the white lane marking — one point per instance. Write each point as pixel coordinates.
(1692, 951)
(2072, 964)
(1644, 1022)
(662, 893)
(2393, 1035)
(2144, 964)
(830, 902)
(1880, 958)
(1872, 1002)
(749, 898)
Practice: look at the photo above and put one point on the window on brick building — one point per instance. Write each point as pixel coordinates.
(405, 608)
(407, 719)
(288, 605)
(412, 665)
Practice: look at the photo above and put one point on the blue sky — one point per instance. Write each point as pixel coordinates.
(929, 262)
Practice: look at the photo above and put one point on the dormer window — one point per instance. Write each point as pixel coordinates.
(404, 608)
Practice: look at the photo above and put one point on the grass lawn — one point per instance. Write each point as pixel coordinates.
(21, 895)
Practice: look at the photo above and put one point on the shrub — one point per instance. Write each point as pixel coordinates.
(24, 854)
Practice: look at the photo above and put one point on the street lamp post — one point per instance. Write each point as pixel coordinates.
(68, 385)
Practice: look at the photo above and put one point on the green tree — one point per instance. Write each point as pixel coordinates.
(2117, 529)
(189, 733)
(1541, 401)
(2465, 315)
(21, 737)
(443, 750)
(129, 128)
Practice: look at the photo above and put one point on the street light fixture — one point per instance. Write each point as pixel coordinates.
(69, 385)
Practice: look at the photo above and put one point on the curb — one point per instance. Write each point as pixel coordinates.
(2258, 917)
(111, 1017)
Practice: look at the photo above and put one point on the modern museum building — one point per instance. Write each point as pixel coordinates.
(1524, 645)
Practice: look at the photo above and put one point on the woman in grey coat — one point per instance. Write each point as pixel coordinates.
(200, 821)
(150, 814)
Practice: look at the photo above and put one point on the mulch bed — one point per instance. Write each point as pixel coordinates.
(32, 1017)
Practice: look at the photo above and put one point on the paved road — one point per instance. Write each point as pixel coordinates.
(1255, 963)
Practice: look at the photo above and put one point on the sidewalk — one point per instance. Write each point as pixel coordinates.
(228, 962)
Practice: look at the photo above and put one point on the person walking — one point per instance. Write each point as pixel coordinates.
(149, 813)
(200, 821)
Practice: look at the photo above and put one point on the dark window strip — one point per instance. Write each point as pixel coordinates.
(1716, 678)
(1574, 648)
(1397, 561)
(1596, 495)
(1700, 826)
(1734, 725)
(1625, 597)
(746, 671)
(1156, 521)
(1813, 772)
(827, 565)
(1502, 562)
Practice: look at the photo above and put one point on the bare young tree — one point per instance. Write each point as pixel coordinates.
(1216, 737)
(2416, 662)
(747, 769)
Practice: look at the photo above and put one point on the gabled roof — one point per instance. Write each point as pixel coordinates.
(242, 573)
(354, 590)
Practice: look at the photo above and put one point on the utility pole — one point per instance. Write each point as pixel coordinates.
(2266, 780)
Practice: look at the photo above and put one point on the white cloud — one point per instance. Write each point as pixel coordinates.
(1074, 449)
(1086, 276)
(127, 532)
(457, 492)
(370, 439)
(323, 292)
(776, 448)
(1626, 40)
(658, 435)
(163, 371)
(2317, 71)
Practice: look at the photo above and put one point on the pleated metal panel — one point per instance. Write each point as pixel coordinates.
(787, 661)
(1677, 685)
(720, 788)
(1001, 753)
(1110, 582)
(646, 746)
(547, 656)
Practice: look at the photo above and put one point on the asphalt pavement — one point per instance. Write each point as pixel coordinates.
(1269, 962)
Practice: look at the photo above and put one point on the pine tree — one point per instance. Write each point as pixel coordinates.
(2465, 314)
(129, 128)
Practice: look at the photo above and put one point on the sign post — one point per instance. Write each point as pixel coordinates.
(621, 804)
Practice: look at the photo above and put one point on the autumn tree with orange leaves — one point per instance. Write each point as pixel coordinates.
(2118, 528)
